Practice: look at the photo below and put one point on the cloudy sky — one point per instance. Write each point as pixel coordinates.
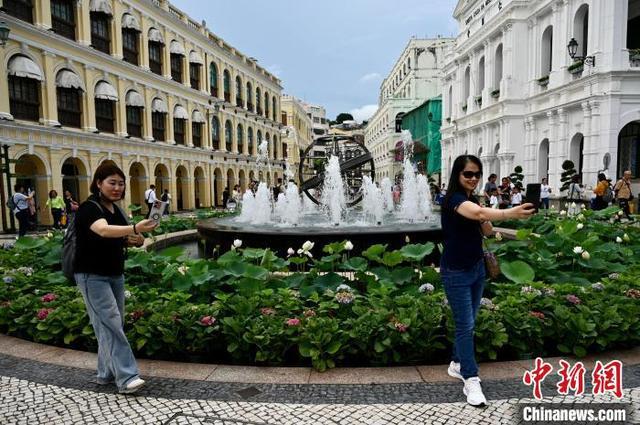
(333, 52)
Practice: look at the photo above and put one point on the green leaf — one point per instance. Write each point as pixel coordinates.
(518, 271)
(253, 253)
(374, 252)
(305, 349)
(334, 347)
(27, 242)
(356, 264)
(392, 259)
(141, 343)
(69, 338)
(417, 252)
(255, 272)
(402, 275)
(523, 234)
(173, 252)
(579, 351)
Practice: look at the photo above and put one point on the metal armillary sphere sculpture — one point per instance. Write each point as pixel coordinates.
(355, 162)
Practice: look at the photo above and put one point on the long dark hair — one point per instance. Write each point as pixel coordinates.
(454, 180)
(105, 170)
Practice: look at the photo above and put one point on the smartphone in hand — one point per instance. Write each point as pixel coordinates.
(157, 211)
(532, 195)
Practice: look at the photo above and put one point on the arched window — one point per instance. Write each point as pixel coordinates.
(273, 107)
(69, 91)
(180, 117)
(543, 160)
(450, 102)
(481, 66)
(195, 64)
(21, 9)
(546, 58)
(197, 123)
(258, 101)
(581, 30)
(467, 87)
(106, 97)
(249, 95)
(239, 102)
(158, 119)
(213, 79)
(100, 17)
(135, 106)
(240, 138)
(226, 77)
(259, 137)
(266, 104)
(629, 149)
(177, 56)
(130, 37)
(215, 133)
(576, 152)
(25, 77)
(497, 77)
(63, 18)
(156, 53)
(250, 140)
(228, 136)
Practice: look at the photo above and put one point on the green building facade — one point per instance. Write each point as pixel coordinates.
(424, 124)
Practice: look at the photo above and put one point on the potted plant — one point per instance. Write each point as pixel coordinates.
(464, 107)
(495, 93)
(478, 100)
(543, 81)
(634, 54)
(576, 68)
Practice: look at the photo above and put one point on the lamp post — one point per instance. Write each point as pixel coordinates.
(4, 33)
(572, 47)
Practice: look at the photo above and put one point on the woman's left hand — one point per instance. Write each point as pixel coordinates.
(135, 240)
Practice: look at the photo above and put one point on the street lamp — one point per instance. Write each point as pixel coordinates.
(4, 33)
(573, 50)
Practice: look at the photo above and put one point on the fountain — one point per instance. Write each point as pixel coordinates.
(326, 206)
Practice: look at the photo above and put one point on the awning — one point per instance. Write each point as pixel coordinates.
(106, 91)
(69, 80)
(180, 113)
(197, 117)
(22, 66)
(130, 21)
(195, 57)
(159, 105)
(156, 35)
(103, 6)
(176, 48)
(134, 99)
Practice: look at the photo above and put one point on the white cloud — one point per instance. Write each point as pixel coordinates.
(373, 76)
(363, 113)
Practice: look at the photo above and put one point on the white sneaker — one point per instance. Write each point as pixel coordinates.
(133, 386)
(454, 371)
(473, 390)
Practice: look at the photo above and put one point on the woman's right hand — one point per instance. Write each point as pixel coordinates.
(522, 211)
(146, 225)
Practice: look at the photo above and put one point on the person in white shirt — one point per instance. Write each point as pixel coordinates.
(516, 197)
(545, 191)
(150, 198)
(494, 202)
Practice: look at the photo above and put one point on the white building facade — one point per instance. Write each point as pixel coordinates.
(414, 78)
(514, 96)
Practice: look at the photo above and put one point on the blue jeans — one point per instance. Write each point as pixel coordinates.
(464, 292)
(104, 298)
(544, 203)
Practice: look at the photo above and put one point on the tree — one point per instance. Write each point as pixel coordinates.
(568, 173)
(343, 116)
(517, 177)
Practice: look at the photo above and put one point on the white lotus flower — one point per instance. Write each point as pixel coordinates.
(348, 246)
(183, 270)
(620, 213)
(583, 206)
(573, 205)
(127, 294)
(237, 243)
(580, 217)
(563, 212)
(618, 239)
(49, 235)
(586, 255)
(626, 237)
(308, 246)
(578, 250)
(553, 207)
(290, 251)
(406, 239)
(580, 226)
(498, 236)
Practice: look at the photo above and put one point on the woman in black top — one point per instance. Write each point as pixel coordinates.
(101, 240)
(464, 223)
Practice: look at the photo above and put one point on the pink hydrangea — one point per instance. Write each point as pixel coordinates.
(401, 327)
(537, 314)
(293, 322)
(47, 298)
(5, 304)
(309, 313)
(207, 320)
(43, 313)
(267, 311)
(573, 299)
(137, 315)
(633, 293)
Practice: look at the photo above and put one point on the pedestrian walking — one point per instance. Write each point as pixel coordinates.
(150, 198)
(602, 187)
(102, 234)
(464, 223)
(22, 208)
(57, 205)
(623, 193)
(545, 193)
(166, 197)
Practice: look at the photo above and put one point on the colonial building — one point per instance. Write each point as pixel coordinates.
(136, 82)
(297, 133)
(414, 78)
(514, 95)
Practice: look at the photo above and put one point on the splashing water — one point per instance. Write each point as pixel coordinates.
(333, 196)
(372, 201)
(387, 194)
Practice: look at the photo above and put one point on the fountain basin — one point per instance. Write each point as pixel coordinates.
(221, 232)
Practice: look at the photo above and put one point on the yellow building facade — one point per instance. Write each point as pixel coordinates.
(138, 83)
(297, 133)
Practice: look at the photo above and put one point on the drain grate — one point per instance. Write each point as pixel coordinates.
(185, 419)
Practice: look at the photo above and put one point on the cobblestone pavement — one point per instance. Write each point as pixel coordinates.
(24, 402)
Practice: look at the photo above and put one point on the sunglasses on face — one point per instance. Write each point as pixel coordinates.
(471, 174)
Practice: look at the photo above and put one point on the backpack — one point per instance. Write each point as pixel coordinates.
(607, 196)
(11, 203)
(165, 197)
(69, 244)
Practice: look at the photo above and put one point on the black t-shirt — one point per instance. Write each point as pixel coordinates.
(95, 254)
(462, 237)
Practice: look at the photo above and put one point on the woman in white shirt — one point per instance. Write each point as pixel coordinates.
(545, 191)
(516, 197)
